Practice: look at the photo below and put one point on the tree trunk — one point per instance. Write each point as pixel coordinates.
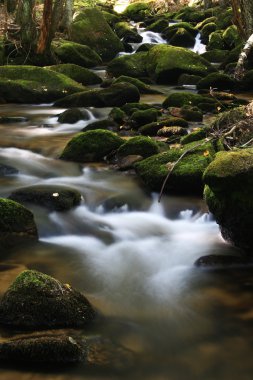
(25, 19)
(50, 21)
(240, 67)
(246, 11)
(67, 15)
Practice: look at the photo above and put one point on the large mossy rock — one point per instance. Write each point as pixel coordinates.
(77, 73)
(30, 84)
(114, 96)
(36, 300)
(166, 63)
(185, 178)
(91, 28)
(127, 33)
(218, 81)
(228, 193)
(130, 65)
(48, 349)
(57, 198)
(72, 52)
(137, 11)
(142, 87)
(182, 38)
(183, 98)
(91, 146)
(16, 224)
(73, 115)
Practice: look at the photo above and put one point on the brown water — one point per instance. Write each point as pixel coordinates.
(133, 258)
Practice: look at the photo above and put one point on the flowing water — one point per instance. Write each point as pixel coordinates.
(134, 258)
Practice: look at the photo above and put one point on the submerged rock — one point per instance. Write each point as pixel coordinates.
(58, 198)
(73, 115)
(16, 224)
(91, 146)
(217, 261)
(36, 300)
(43, 349)
(228, 193)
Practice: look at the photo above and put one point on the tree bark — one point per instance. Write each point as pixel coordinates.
(25, 19)
(67, 15)
(240, 67)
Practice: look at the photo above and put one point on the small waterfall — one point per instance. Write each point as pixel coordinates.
(199, 48)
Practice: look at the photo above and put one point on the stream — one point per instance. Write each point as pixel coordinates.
(133, 258)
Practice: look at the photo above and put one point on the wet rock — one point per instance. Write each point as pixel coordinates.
(186, 176)
(36, 300)
(188, 80)
(196, 135)
(91, 146)
(127, 33)
(139, 118)
(30, 84)
(91, 28)
(127, 162)
(12, 119)
(114, 96)
(79, 54)
(166, 63)
(130, 65)
(137, 11)
(142, 87)
(180, 99)
(228, 193)
(182, 38)
(57, 198)
(42, 349)
(216, 261)
(73, 115)
(158, 26)
(107, 124)
(216, 55)
(171, 131)
(139, 145)
(6, 170)
(218, 81)
(17, 225)
(77, 73)
(216, 41)
(151, 129)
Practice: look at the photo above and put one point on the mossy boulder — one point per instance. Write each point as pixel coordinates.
(215, 56)
(139, 145)
(188, 80)
(191, 113)
(130, 65)
(127, 33)
(158, 26)
(231, 37)
(151, 129)
(208, 20)
(144, 117)
(91, 146)
(91, 28)
(186, 176)
(216, 41)
(36, 300)
(217, 80)
(56, 198)
(137, 11)
(111, 18)
(77, 73)
(30, 84)
(117, 115)
(166, 63)
(16, 224)
(73, 115)
(171, 131)
(130, 108)
(224, 17)
(228, 193)
(79, 54)
(182, 38)
(183, 98)
(172, 29)
(190, 14)
(114, 96)
(107, 124)
(196, 135)
(48, 349)
(142, 87)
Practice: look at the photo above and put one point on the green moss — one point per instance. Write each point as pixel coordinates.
(79, 54)
(187, 79)
(114, 96)
(139, 145)
(30, 84)
(142, 87)
(186, 176)
(183, 98)
(130, 65)
(16, 224)
(117, 115)
(182, 38)
(216, 41)
(151, 129)
(190, 14)
(207, 30)
(158, 26)
(111, 18)
(216, 55)
(231, 37)
(217, 80)
(36, 300)
(91, 146)
(77, 73)
(208, 20)
(128, 33)
(225, 18)
(137, 11)
(73, 115)
(166, 63)
(200, 134)
(144, 117)
(90, 28)
(129, 108)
